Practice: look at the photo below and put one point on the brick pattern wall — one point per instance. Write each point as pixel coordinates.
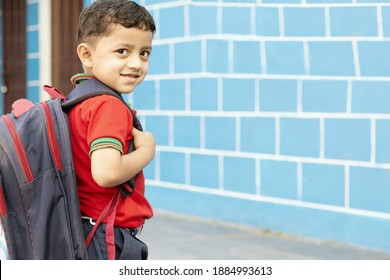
(33, 54)
(273, 113)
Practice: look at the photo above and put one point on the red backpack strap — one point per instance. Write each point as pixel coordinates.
(110, 212)
(110, 237)
(54, 93)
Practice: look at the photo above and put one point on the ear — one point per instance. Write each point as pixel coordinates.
(84, 51)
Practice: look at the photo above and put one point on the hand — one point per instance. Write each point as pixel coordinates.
(144, 140)
(110, 168)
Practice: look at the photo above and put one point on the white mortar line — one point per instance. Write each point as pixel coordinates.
(275, 157)
(267, 199)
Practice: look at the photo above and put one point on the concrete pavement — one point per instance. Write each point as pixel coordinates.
(178, 237)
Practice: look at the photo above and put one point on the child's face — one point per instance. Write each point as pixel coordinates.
(121, 60)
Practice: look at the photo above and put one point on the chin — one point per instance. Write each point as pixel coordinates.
(128, 90)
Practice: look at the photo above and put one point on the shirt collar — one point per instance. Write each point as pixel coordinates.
(81, 77)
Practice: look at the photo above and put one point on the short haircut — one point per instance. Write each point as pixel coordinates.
(96, 21)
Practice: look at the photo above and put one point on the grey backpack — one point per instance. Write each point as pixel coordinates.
(39, 205)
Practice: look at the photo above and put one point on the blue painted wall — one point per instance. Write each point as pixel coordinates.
(273, 114)
(33, 55)
(269, 113)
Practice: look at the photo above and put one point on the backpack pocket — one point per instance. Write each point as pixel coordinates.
(46, 210)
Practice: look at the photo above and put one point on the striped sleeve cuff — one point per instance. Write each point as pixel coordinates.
(105, 142)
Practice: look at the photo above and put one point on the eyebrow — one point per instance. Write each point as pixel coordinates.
(128, 46)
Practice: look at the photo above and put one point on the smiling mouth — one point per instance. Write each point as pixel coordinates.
(131, 76)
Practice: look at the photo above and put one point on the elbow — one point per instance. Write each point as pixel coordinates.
(104, 179)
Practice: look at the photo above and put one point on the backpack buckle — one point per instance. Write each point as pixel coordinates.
(91, 221)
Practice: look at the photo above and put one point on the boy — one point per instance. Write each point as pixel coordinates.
(114, 44)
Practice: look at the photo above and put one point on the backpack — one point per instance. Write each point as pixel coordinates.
(39, 205)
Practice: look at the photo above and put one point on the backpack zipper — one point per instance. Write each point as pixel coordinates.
(52, 137)
(19, 148)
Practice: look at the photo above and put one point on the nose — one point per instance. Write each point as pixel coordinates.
(134, 62)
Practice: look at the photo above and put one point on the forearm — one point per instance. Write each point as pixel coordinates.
(110, 168)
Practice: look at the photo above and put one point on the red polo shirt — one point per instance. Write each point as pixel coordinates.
(104, 117)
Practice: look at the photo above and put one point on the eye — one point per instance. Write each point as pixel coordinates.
(122, 51)
(145, 54)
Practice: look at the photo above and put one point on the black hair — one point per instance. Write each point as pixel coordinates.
(96, 20)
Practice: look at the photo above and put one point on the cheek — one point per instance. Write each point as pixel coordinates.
(146, 67)
(106, 63)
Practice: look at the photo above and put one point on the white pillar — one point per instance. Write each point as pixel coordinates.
(45, 46)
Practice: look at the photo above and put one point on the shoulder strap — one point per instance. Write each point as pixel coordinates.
(91, 88)
(87, 89)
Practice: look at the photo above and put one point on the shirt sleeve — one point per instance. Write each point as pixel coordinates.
(109, 123)
(105, 142)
